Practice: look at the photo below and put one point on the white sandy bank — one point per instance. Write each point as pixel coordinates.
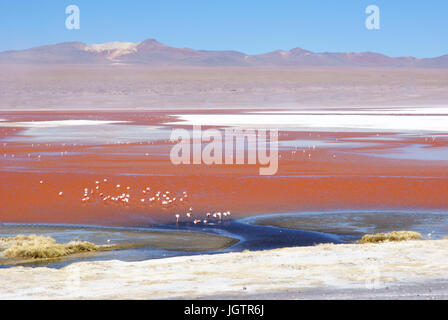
(324, 266)
(361, 121)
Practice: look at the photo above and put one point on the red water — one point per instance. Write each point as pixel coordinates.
(336, 178)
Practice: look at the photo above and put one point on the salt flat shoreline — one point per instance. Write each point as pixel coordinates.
(412, 269)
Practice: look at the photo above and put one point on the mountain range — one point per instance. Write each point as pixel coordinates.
(153, 53)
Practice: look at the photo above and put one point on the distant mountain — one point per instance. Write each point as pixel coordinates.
(67, 52)
(440, 62)
(151, 52)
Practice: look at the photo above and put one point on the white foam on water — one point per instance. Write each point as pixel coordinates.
(323, 122)
(59, 123)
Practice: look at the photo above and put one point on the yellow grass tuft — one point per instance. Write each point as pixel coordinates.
(392, 236)
(41, 247)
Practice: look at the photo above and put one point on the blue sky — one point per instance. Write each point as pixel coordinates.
(413, 27)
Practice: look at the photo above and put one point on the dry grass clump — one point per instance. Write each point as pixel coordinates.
(41, 247)
(392, 236)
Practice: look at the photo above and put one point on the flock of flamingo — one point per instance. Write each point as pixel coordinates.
(108, 193)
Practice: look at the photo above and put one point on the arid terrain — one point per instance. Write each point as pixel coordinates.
(99, 87)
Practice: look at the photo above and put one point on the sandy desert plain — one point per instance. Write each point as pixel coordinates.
(361, 150)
